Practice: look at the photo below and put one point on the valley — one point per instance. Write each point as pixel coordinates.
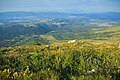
(25, 28)
(59, 46)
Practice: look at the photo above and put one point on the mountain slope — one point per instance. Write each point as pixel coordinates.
(84, 60)
(25, 28)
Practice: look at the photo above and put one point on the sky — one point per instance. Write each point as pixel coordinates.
(72, 6)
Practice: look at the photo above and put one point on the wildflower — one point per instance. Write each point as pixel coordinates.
(92, 71)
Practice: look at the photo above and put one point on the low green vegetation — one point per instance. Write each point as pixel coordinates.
(79, 60)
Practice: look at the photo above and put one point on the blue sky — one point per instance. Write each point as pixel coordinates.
(73, 6)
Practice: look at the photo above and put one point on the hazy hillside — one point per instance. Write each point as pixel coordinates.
(25, 28)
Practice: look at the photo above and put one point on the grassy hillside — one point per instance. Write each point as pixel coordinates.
(79, 60)
(25, 28)
(92, 33)
(109, 34)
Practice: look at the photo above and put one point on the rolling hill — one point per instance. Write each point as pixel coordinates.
(25, 28)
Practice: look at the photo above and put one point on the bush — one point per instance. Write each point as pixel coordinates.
(63, 62)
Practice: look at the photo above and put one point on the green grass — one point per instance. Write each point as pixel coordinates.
(61, 61)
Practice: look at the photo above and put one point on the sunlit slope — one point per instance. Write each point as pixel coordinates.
(70, 60)
(63, 47)
(109, 34)
(91, 33)
(110, 29)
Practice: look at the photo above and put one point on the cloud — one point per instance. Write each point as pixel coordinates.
(60, 5)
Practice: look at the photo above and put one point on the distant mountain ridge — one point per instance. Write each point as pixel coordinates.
(55, 14)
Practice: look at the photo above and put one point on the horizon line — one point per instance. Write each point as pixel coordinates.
(60, 12)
